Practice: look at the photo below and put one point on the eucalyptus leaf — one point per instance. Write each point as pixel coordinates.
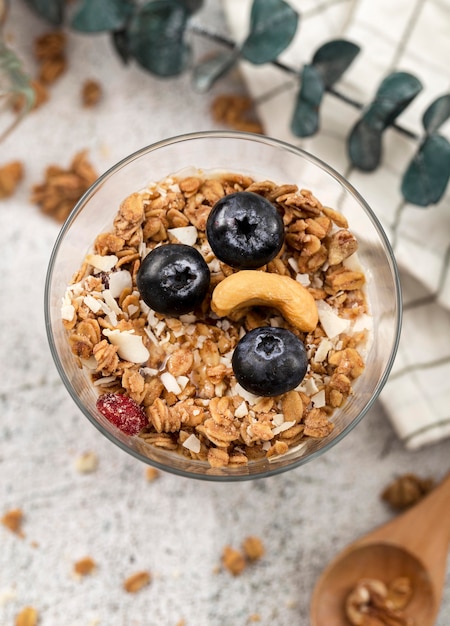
(305, 120)
(120, 42)
(207, 73)
(51, 10)
(94, 16)
(427, 176)
(364, 146)
(437, 114)
(394, 94)
(333, 58)
(192, 5)
(273, 24)
(155, 36)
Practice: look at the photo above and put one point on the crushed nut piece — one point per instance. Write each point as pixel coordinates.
(136, 582)
(233, 560)
(253, 548)
(84, 566)
(62, 188)
(91, 93)
(237, 112)
(151, 474)
(27, 617)
(10, 176)
(406, 490)
(12, 520)
(86, 463)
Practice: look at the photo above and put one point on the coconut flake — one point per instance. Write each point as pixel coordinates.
(184, 234)
(110, 301)
(118, 281)
(67, 312)
(363, 322)
(102, 263)
(192, 443)
(92, 303)
(322, 350)
(170, 383)
(303, 279)
(332, 324)
(130, 346)
(242, 410)
(282, 427)
(318, 399)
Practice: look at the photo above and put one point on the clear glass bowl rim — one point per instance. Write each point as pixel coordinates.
(262, 139)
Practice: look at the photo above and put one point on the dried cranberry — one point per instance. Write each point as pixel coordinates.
(123, 412)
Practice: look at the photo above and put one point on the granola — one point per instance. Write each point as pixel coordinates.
(177, 370)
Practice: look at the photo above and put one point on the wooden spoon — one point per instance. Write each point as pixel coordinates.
(414, 544)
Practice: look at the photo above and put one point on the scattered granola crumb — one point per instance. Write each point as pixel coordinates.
(151, 474)
(91, 93)
(10, 176)
(13, 521)
(253, 548)
(84, 566)
(233, 560)
(86, 463)
(136, 582)
(62, 188)
(237, 112)
(406, 491)
(181, 622)
(27, 617)
(254, 617)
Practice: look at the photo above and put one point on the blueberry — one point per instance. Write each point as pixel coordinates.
(245, 230)
(173, 279)
(269, 361)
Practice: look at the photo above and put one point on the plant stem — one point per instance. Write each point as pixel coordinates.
(198, 29)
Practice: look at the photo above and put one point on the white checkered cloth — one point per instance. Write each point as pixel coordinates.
(394, 35)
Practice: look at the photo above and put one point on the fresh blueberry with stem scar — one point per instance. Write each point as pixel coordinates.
(245, 230)
(269, 361)
(173, 279)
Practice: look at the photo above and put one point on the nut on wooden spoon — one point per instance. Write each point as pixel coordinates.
(413, 545)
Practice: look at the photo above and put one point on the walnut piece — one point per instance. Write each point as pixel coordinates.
(62, 188)
(406, 490)
(374, 603)
(91, 93)
(237, 112)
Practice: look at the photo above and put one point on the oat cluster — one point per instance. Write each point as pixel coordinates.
(186, 387)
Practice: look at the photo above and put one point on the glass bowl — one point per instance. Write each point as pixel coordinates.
(261, 158)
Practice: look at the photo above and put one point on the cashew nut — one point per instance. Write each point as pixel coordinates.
(252, 288)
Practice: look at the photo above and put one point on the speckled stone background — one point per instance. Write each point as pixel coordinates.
(173, 527)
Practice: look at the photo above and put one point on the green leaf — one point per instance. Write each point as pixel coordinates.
(333, 58)
(427, 176)
(305, 121)
(273, 24)
(437, 113)
(394, 94)
(207, 73)
(364, 146)
(155, 36)
(120, 43)
(192, 5)
(50, 10)
(94, 16)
